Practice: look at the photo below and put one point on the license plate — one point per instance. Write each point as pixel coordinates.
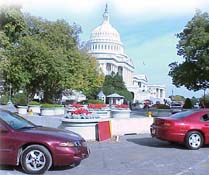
(153, 131)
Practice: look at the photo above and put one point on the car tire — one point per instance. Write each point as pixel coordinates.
(194, 140)
(36, 159)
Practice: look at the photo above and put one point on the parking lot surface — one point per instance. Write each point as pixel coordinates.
(134, 155)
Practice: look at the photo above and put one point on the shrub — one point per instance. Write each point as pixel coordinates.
(205, 100)
(207, 104)
(20, 99)
(4, 99)
(47, 105)
(187, 104)
(95, 102)
(161, 106)
(34, 103)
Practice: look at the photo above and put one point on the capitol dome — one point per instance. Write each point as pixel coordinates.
(105, 32)
(105, 38)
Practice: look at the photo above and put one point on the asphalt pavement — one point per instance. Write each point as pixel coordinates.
(134, 155)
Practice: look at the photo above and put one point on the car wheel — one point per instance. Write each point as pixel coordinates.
(36, 159)
(194, 140)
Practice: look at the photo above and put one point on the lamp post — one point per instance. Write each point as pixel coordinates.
(10, 94)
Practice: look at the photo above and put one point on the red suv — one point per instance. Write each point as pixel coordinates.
(37, 148)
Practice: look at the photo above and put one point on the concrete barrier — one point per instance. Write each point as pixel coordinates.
(118, 126)
(130, 126)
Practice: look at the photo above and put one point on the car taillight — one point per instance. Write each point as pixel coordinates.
(167, 124)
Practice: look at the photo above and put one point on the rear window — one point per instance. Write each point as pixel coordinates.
(183, 114)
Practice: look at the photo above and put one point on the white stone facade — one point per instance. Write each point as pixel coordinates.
(106, 46)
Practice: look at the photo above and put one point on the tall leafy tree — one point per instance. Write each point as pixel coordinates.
(45, 56)
(12, 23)
(193, 47)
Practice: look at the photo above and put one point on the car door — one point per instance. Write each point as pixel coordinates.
(7, 145)
(205, 121)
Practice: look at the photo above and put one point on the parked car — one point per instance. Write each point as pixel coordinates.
(37, 148)
(190, 127)
(176, 107)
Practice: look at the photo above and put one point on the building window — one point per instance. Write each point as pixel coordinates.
(140, 84)
(102, 46)
(105, 47)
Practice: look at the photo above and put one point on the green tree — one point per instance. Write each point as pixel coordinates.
(114, 84)
(45, 56)
(193, 47)
(12, 23)
(205, 100)
(187, 104)
(194, 100)
(177, 98)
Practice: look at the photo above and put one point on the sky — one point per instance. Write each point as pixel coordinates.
(147, 29)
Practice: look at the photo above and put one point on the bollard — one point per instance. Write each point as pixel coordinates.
(149, 114)
(110, 125)
(30, 112)
(117, 138)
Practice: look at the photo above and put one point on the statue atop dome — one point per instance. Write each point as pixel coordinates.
(105, 15)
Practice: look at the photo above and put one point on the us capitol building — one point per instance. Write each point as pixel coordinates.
(106, 46)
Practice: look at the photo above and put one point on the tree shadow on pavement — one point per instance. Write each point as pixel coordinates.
(152, 142)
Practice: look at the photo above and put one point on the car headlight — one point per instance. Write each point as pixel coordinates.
(67, 144)
(84, 143)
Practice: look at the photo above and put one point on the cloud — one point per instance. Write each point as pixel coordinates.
(136, 10)
(152, 9)
(73, 6)
(127, 7)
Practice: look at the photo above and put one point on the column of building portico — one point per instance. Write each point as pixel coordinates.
(125, 75)
(114, 68)
(163, 93)
(157, 93)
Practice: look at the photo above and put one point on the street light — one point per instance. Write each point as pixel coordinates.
(10, 94)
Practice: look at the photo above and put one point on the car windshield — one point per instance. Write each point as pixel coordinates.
(15, 121)
(183, 114)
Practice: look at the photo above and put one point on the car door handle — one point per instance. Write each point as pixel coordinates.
(206, 124)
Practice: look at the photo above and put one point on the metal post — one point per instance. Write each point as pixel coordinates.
(204, 99)
(10, 94)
